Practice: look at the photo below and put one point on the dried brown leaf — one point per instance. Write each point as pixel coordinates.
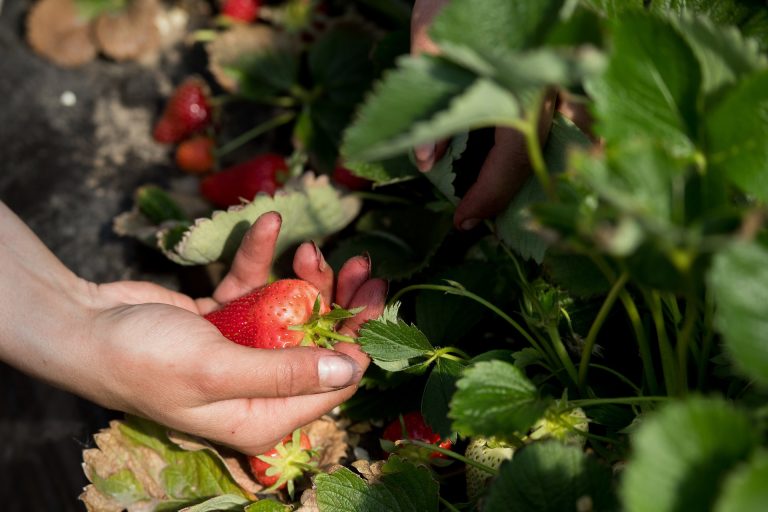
(56, 31)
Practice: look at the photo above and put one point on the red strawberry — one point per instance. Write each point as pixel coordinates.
(244, 11)
(265, 173)
(285, 313)
(412, 426)
(195, 155)
(282, 465)
(186, 112)
(344, 176)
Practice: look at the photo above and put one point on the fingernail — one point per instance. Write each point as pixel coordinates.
(424, 155)
(321, 264)
(469, 224)
(367, 257)
(336, 371)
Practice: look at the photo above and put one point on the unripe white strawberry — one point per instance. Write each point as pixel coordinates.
(489, 452)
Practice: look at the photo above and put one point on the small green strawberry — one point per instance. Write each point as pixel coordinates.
(487, 451)
(565, 426)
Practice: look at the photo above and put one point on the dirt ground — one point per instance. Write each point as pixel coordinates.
(75, 144)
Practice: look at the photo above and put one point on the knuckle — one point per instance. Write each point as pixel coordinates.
(292, 375)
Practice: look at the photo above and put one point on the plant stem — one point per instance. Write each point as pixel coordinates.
(643, 344)
(683, 342)
(631, 400)
(254, 132)
(466, 293)
(706, 346)
(447, 504)
(562, 353)
(589, 344)
(668, 366)
(334, 335)
(452, 454)
(619, 376)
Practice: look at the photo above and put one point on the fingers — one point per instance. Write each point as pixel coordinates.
(352, 275)
(372, 295)
(232, 371)
(310, 265)
(427, 154)
(503, 173)
(251, 266)
(577, 111)
(424, 12)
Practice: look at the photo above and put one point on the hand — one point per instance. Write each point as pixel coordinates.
(145, 350)
(506, 167)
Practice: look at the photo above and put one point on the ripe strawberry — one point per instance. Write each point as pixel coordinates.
(486, 451)
(265, 173)
(195, 155)
(243, 11)
(345, 177)
(285, 313)
(282, 465)
(412, 426)
(187, 111)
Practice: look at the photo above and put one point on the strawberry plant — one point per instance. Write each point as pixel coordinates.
(600, 344)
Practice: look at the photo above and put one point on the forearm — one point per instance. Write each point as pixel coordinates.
(42, 304)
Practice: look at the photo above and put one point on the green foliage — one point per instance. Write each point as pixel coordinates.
(549, 477)
(744, 488)
(683, 453)
(495, 398)
(401, 487)
(137, 464)
(311, 209)
(739, 281)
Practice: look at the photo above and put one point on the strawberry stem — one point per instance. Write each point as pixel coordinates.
(452, 454)
(334, 335)
(254, 132)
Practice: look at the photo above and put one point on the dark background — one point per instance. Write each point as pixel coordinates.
(67, 171)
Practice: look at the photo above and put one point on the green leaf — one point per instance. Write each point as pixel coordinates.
(341, 71)
(394, 345)
(651, 86)
(400, 241)
(441, 175)
(745, 489)
(503, 40)
(401, 487)
(135, 465)
(551, 477)
(724, 53)
(682, 453)
(455, 101)
(513, 224)
(736, 131)
(385, 172)
(267, 505)
(738, 279)
(310, 207)
(613, 7)
(495, 399)
(224, 502)
(749, 15)
(440, 387)
(495, 27)
(262, 63)
(447, 318)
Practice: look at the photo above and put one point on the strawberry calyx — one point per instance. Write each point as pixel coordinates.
(289, 461)
(320, 331)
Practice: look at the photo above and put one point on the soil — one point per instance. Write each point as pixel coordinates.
(75, 145)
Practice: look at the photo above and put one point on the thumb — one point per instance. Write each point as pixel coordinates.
(235, 371)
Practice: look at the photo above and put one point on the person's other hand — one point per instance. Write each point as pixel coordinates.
(506, 166)
(149, 352)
